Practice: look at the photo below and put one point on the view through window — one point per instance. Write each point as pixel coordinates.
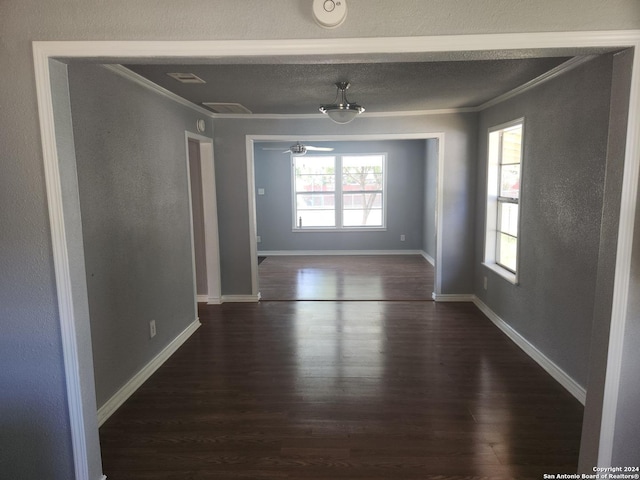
(339, 191)
(503, 196)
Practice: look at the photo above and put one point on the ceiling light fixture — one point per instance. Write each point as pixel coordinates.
(341, 111)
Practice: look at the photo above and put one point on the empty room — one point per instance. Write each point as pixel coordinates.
(329, 252)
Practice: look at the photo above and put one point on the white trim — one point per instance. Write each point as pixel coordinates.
(214, 300)
(111, 405)
(202, 298)
(210, 212)
(217, 49)
(240, 298)
(191, 227)
(553, 73)
(501, 272)
(338, 195)
(428, 258)
(253, 219)
(359, 137)
(623, 266)
(437, 287)
(148, 84)
(452, 297)
(338, 229)
(61, 266)
(154, 87)
(563, 378)
(251, 186)
(290, 253)
(200, 50)
(492, 194)
(318, 116)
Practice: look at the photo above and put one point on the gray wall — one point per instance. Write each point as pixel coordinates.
(35, 438)
(134, 200)
(565, 143)
(430, 197)
(404, 175)
(459, 187)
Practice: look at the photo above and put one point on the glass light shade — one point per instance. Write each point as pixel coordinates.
(342, 115)
(341, 111)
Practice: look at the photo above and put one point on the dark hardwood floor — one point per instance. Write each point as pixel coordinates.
(342, 390)
(358, 277)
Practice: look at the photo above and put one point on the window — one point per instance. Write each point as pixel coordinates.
(343, 192)
(503, 198)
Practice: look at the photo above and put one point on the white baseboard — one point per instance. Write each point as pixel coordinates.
(104, 477)
(240, 298)
(428, 258)
(281, 253)
(551, 368)
(208, 300)
(143, 375)
(453, 297)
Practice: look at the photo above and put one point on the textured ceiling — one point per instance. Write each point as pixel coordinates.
(300, 88)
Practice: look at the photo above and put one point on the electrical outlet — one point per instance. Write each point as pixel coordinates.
(258, 238)
(152, 328)
(402, 238)
(485, 283)
(261, 191)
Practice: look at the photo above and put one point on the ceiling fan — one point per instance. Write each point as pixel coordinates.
(299, 149)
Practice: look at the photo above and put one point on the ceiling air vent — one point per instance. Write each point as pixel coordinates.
(226, 107)
(186, 77)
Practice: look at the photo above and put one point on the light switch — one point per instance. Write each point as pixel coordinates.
(261, 191)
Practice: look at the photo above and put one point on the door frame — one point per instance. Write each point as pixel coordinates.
(251, 187)
(210, 212)
(79, 378)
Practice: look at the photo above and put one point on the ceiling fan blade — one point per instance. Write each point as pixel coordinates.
(319, 149)
(272, 148)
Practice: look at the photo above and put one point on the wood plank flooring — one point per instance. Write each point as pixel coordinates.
(358, 277)
(344, 390)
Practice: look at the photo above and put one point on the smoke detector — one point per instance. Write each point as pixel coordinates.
(329, 13)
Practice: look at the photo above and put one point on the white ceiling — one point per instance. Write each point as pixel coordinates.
(379, 83)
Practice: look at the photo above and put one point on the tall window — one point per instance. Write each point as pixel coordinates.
(339, 191)
(503, 198)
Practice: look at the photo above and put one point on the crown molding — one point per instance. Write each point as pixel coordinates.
(154, 87)
(545, 77)
(144, 82)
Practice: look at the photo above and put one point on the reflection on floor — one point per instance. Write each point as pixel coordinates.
(345, 390)
(357, 277)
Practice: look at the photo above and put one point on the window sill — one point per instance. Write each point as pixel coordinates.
(503, 272)
(338, 230)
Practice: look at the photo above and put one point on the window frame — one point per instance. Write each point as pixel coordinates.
(494, 201)
(339, 193)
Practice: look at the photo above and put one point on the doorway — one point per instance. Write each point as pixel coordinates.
(75, 345)
(204, 214)
(427, 178)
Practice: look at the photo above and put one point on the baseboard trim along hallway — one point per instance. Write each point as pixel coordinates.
(540, 358)
(143, 375)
